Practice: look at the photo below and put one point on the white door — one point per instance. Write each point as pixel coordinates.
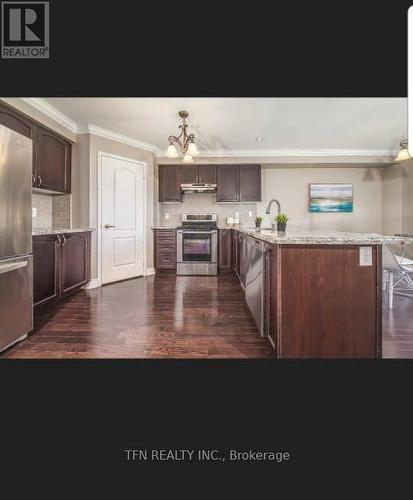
(122, 219)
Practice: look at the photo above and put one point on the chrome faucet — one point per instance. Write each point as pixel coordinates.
(269, 206)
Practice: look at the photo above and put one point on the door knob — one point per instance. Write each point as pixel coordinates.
(107, 226)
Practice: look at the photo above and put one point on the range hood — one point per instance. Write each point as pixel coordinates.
(198, 187)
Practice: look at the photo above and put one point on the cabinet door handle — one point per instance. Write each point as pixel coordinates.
(39, 180)
(33, 180)
(64, 240)
(59, 240)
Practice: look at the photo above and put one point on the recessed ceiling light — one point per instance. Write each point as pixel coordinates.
(259, 139)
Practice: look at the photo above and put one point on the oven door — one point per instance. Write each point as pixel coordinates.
(197, 246)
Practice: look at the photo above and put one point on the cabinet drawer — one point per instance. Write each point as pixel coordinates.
(165, 234)
(166, 248)
(165, 261)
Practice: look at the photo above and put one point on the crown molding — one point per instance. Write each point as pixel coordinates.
(53, 113)
(114, 136)
(294, 156)
(376, 156)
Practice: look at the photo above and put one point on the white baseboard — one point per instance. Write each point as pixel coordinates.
(95, 283)
(150, 271)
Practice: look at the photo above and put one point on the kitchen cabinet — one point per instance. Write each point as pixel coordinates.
(270, 293)
(74, 261)
(61, 265)
(45, 269)
(235, 183)
(189, 175)
(239, 183)
(240, 254)
(250, 183)
(52, 162)
(170, 183)
(225, 250)
(17, 122)
(207, 174)
(227, 180)
(165, 249)
(202, 173)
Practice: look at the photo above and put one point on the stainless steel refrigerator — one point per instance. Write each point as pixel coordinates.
(16, 261)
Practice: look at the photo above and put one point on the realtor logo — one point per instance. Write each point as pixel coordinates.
(25, 30)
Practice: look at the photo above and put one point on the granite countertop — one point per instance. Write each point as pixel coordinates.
(57, 230)
(320, 237)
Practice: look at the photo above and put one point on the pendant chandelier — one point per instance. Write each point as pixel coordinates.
(403, 153)
(184, 141)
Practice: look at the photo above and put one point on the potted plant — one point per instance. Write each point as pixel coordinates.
(281, 220)
(258, 221)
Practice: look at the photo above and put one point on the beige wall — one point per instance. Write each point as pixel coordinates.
(89, 147)
(398, 198)
(290, 185)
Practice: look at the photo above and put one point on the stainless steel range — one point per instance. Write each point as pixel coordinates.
(197, 245)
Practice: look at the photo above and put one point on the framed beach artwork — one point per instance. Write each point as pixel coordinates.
(331, 198)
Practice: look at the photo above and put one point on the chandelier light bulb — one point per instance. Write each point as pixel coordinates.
(403, 153)
(187, 158)
(192, 149)
(171, 152)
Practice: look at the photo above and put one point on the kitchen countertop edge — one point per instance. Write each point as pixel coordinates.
(50, 231)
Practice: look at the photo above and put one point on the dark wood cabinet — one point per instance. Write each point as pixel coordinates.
(225, 250)
(189, 175)
(228, 177)
(17, 122)
(165, 248)
(270, 293)
(52, 162)
(207, 174)
(202, 173)
(170, 183)
(235, 183)
(45, 269)
(74, 261)
(239, 183)
(61, 265)
(250, 183)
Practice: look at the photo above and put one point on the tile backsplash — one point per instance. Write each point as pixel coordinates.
(43, 205)
(206, 203)
(52, 210)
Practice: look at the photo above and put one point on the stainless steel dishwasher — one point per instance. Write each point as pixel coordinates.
(254, 286)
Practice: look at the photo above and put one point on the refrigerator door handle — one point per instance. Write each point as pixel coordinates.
(6, 268)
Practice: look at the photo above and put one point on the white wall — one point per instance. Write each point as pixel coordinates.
(290, 185)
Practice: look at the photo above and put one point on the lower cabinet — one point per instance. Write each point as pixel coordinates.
(270, 293)
(61, 265)
(46, 257)
(225, 250)
(165, 249)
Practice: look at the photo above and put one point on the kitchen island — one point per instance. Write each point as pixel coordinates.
(321, 291)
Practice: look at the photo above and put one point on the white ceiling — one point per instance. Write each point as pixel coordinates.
(229, 126)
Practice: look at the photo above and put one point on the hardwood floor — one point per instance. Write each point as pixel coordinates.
(398, 329)
(162, 316)
(168, 316)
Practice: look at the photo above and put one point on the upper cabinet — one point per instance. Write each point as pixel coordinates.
(207, 174)
(53, 162)
(203, 173)
(235, 183)
(170, 183)
(250, 183)
(228, 183)
(51, 153)
(239, 183)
